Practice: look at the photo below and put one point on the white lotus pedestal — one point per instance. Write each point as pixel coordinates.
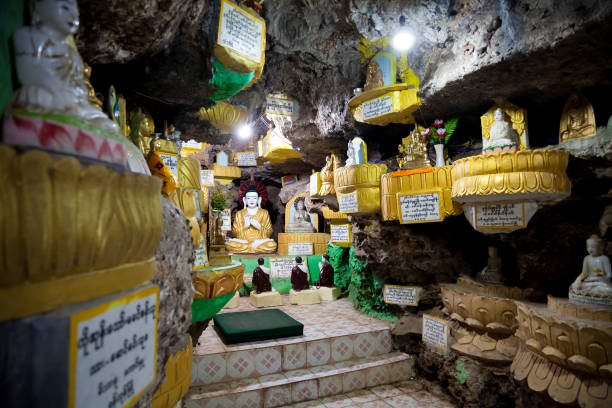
(266, 299)
(328, 294)
(304, 297)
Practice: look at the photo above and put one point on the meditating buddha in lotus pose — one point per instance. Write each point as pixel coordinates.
(300, 221)
(49, 67)
(596, 272)
(503, 137)
(252, 228)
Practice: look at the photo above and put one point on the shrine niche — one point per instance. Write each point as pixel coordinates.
(301, 236)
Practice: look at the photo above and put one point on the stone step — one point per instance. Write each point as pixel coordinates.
(220, 363)
(276, 390)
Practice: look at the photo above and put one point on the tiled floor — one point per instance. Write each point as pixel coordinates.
(323, 320)
(405, 394)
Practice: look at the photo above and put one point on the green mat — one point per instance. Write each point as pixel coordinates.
(240, 327)
(202, 309)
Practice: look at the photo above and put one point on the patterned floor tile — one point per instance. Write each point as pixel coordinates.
(364, 345)
(362, 396)
(401, 401)
(423, 397)
(331, 385)
(251, 399)
(245, 384)
(377, 375)
(384, 343)
(353, 380)
(212, 368)
(341, 348)
(299, 375)
(277, 396)
(375, 404)
(408, 386)
(240, 364)
(385, 391)
(318, 352)
(273, 379)
(268, 360)
(304, 391)
(219, 402)
(294, 356)
(402, 370)
(338, 401)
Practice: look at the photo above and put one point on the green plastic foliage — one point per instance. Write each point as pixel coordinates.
(228, 82)
(339, 260)
(364, 291)
(11, 18)
(202, 309)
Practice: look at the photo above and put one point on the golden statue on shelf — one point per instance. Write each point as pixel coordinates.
(413, 151)
(577, 120)
(374, 78)
(327, 175)
(91, 92)
(252, 228)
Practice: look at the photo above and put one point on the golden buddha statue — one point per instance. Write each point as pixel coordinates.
(577, 120)
(91, 92)
(413, 151)
(252, 228)
(374, 78)
(327, 175)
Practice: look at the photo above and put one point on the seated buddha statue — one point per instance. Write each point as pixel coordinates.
(50, 69)
(596, 272)
(252, 228)
(327, 175)
(503, 137)
(300, 221)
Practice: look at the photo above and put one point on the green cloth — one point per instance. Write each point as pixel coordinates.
(202, 309)
(227, 81)
(11, 18)
(266, 324)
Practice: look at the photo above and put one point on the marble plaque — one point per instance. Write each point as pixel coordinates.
(207, 178)
(348, 202)
(401, 295)
(113, 351)
(377, 107)
(226, 216)
(419, 208)
(500, 215)
(281, 267)
(240, 31)
(246, 159)
(300, 248)
(279, 106)
(435, 331)
(340, 232)
(201, 257)
(171, 161)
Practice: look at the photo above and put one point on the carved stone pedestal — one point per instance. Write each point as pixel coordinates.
(566, 351)
(332, 293)
(488, 314)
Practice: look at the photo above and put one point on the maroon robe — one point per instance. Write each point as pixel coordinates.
(327, 276)
(261, 281)
(299, 279)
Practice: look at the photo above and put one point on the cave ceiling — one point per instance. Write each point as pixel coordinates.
(466, 54)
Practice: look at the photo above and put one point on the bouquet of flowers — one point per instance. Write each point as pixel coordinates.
(440, 132)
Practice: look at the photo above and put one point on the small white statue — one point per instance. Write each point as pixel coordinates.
(502, 137)
(50, 69)
(350, 153)
(596, 272)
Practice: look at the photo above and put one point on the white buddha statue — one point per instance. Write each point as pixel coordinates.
(350, 153)
(595, 279)
(50, 69)
(503, 137)
(300, 220)
(252, 228)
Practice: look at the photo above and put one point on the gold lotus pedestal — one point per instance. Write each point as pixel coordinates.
(501, 192)
(215, 281)
(417, 182)
(488, 313)
(566, 351)
(72, 232)
(386, 104)
(358, 187)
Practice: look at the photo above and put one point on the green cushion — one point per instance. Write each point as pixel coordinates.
(266, 324)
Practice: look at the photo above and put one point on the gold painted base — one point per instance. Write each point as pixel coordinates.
(29, 298)
(318, 240)
(178, 379)
(328, 294)
(212, 282)
(225, 174)
(404, 102)
(362, 179)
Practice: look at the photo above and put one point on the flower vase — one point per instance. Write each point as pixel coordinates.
(439, 148)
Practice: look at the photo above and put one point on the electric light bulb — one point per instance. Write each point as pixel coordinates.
(403, 40)
(244, 131)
